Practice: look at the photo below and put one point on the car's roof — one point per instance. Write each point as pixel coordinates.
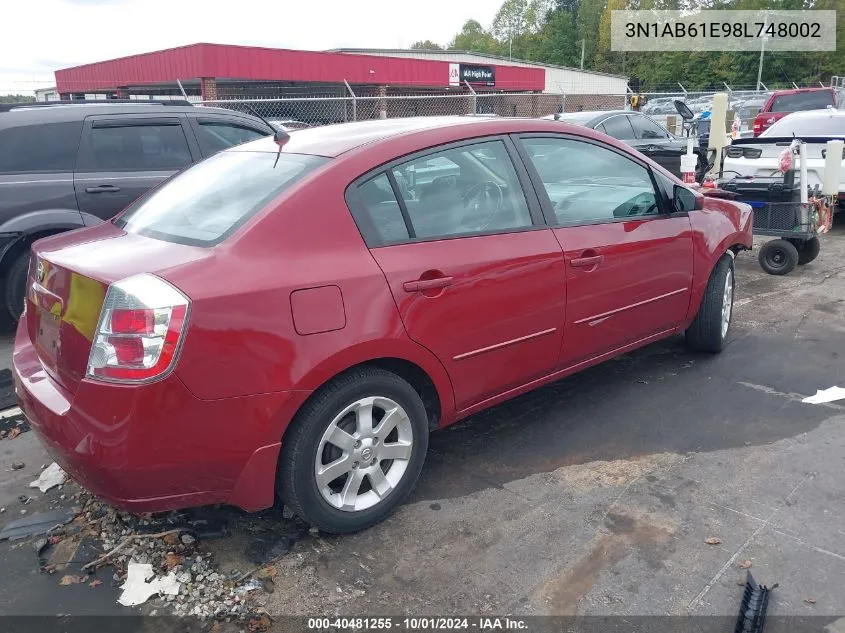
(590, 118)
(64, 113)
(333, 140)
(586, 115)
(821, 113)
(792, 91)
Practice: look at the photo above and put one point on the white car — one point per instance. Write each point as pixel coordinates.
(759, 156)
(289, 125)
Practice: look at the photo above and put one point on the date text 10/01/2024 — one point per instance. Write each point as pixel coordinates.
(723, 29)
(417, 623)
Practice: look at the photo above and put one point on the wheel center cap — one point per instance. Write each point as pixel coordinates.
(367, 454)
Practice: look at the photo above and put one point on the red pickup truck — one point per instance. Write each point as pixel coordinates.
(782, 102)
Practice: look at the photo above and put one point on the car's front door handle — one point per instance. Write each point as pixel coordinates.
(587, 262)
(102, 189)
(427, 284)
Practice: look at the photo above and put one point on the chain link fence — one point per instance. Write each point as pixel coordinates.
(325, 110)
(342, 105)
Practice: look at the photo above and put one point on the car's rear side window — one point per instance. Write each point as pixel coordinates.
(618, 126)
(383, 210)
(42, 147)
(803, 101)
(208, 202)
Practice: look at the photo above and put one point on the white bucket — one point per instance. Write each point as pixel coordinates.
(688, 164)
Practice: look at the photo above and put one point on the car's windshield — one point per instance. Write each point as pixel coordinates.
(800, 125)
(206, 203)
(802, 101)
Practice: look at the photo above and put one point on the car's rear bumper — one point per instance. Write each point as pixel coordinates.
(154, 447)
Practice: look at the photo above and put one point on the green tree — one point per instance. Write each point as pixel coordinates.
(557, 41)
(427, 45)
(589, 15)
(16, 98)
(474, 37)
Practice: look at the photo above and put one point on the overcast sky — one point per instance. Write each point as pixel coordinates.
(40, 36)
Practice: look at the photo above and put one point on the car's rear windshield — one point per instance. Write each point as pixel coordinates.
(205, 204)
(802, 101)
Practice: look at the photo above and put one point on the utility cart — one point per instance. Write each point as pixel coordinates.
(779, 212)
(784, 208)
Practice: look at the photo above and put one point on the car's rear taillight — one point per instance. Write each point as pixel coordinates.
(141, 326)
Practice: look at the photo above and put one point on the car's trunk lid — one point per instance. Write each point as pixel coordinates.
(69, 276)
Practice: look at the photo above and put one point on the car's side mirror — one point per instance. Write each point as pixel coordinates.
(684, 199)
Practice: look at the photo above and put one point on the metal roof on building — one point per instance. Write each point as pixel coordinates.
(251, 63)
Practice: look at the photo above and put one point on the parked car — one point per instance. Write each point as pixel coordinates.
(748, 111)
(288, 125)
(299, 314)
(642, 133)
(759, 156)
(68, 165)
(782, 102)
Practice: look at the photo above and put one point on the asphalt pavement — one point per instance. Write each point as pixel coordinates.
(592, 496)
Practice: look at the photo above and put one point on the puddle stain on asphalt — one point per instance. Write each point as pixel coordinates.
(623, 534)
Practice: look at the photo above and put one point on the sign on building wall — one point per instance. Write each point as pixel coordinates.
(478, 74)
(454, 74)
(460, 73)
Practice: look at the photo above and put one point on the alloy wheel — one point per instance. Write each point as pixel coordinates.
(363, 454)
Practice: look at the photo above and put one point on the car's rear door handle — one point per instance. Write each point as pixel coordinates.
(427, 284)
(102, 189)
(587, 262)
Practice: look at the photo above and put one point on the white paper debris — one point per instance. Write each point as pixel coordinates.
(826, 395)
(250, 585)
(50, 477)
(136, 589)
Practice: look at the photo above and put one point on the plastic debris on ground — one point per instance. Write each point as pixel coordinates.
(50, 477)
(39, 523)
(752, 609)
(826, 395)
(138, 589)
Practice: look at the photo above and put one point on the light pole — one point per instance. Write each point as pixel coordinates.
(762, 49)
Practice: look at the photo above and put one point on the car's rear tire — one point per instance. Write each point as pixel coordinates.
(808, 250)
(15, 286)
(330, 435)
(778, 257)
(709, 330)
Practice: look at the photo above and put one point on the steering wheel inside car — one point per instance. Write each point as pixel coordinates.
(643, 204)
(481, 203)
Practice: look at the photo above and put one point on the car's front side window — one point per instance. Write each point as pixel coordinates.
(588, 183)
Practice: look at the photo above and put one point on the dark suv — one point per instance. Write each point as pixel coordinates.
(68, 166)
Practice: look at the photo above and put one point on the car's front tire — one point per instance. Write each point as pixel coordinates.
(709, 330)
(354, 451)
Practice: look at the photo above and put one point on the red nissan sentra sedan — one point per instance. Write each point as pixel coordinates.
(293, 318)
